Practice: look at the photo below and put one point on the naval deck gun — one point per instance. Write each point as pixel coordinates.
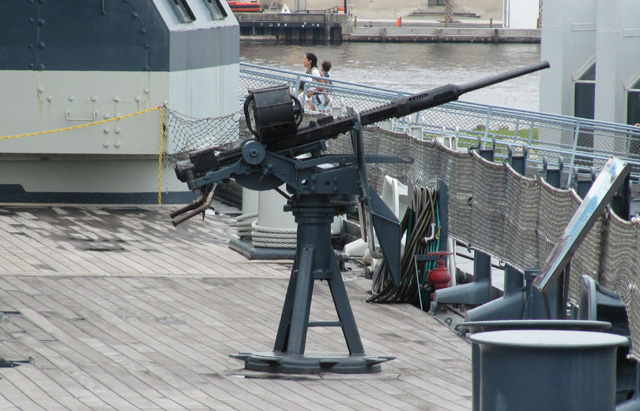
(320, 186)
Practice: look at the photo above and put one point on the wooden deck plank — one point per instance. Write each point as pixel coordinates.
(150, 322)
(14, 396)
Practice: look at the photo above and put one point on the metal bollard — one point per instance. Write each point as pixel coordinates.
(474, 327)
(527, 370)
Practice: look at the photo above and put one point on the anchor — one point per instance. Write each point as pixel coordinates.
(319, 186)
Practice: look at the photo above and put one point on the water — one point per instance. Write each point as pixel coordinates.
(415, 67)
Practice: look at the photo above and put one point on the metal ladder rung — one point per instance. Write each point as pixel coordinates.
(324, 324)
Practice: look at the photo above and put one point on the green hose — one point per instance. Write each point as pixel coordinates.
(415, 225)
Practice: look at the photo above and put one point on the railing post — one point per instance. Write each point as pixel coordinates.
(575, 145)
(486, 127)
(297, 84)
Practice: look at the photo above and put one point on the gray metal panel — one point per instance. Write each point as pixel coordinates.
(568, 42)
(204, 48)
(112, 35)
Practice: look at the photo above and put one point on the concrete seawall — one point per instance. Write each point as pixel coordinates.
(441, 35)
(336, 28)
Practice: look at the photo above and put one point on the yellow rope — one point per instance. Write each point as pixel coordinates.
(160, 158)
(107, 121)
(80, 126)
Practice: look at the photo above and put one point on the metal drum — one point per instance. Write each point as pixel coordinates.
(547, 370)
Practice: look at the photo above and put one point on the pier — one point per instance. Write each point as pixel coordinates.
(321, 27)
(442, 35)
(293, 27)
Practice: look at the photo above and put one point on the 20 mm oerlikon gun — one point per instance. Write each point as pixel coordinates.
(320, 186)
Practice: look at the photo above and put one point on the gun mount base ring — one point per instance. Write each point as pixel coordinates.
(312, 363)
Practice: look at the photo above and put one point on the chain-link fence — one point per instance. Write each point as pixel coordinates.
(341, 93)
(575, 143)
(559, 140)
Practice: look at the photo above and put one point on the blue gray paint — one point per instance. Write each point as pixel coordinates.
(15, 193)
(106, 35)
(222, 48)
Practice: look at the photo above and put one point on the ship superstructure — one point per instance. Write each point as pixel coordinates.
(65, 65)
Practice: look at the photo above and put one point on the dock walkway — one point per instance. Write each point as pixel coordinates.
(111, 307)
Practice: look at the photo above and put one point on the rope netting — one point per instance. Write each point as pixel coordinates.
(511, 217)
(189, 133)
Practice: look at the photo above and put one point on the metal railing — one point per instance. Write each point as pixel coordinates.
(572, 143)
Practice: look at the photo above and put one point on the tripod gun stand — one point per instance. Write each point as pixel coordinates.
(321, 186)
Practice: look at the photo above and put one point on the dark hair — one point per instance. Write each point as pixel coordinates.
(326, 65)
(313, 59)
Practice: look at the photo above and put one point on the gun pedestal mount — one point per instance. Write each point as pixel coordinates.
(315, 260)
(320, 187)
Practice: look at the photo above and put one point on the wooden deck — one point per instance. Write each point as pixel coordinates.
(113, 308)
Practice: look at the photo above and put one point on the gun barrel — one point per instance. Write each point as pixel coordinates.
(435, 97)
(329, 127)
(474, 85)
